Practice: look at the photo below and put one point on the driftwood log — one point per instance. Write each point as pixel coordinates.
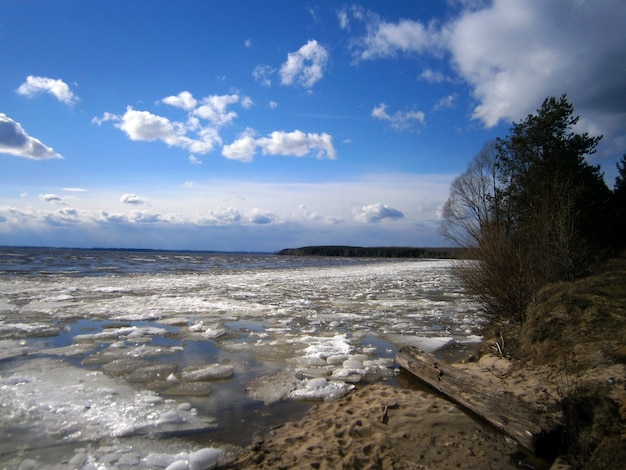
(503, 411)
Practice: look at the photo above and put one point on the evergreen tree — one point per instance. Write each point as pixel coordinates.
(530, 209)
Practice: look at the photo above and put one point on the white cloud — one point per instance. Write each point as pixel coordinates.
(384, 39)
(248, 43)
(243, 148)
(272, 104)
(445, 102)
(515, 54)
(60, 217)
(214, 109)
(143, 125)
(221, 216)
(34, 86)
(261, 217)
(263, 74)
(246, 102)
(298, 144)
(434, 76)
(75, 190)
(377, 212)
(183, 100)
(148, 127)
(303, 213)
(568, 47)
(294, 144)
(133, 199)
(52, 198)
(242, 215)
(342, 17)
(400, 120)
(193, 160)
(306, 66)
(15, 141)
(145, 217)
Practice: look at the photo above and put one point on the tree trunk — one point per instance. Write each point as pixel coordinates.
(505, 412)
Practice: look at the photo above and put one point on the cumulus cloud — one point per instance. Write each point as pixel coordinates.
(261, 217)
(514, 54)
(298, 144)
(221, 216)
(200, 138)
(243, 148)
(306, 66)
(148, 127)
(294, 144)
(34, 86)
(52, 198)
(573, 47)
(377, 212)
(400, 120)
(385, 39)
(133, 199)
(214, 108)
(61, 217)
(305, 214)
(15, 141)
(145, 217)
(183, 100)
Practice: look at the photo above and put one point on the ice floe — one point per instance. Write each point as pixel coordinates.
(89, 360)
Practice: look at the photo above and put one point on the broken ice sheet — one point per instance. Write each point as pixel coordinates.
(48, 401)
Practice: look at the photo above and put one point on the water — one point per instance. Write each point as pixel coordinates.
(120, 331)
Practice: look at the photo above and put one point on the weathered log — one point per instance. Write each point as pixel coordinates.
(503, 411)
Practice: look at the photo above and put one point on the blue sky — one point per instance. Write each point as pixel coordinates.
(249, 125)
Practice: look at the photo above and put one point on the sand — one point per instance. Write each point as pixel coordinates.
(382, 427)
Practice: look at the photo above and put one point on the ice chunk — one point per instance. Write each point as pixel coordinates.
(81, 407)
(337, 359)
(426, 344)
(178, 465)
(214, 332)
(197, 389)
(320, 389)
(210, 372)
(10, 348)
(204, 459)
(349, 375)
(323, 347)
(271, 388)
(353, 364)
(160, 460)
(171, 417)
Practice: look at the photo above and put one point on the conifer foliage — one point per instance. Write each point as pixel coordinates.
(530, 210)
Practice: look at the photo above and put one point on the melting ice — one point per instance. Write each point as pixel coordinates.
(139, 360)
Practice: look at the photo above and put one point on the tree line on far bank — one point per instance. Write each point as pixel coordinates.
(531, 210)
(372, 252)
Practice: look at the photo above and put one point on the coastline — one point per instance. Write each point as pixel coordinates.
(405, 427)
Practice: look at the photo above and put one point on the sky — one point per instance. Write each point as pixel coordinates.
(255, 126)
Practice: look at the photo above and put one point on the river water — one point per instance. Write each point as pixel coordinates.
(136, 359)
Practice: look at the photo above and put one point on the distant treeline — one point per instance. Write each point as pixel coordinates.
(372, 252)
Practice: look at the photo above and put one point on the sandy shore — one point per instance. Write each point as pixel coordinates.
(383, 427)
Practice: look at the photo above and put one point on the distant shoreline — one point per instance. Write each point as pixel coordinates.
(373, 252)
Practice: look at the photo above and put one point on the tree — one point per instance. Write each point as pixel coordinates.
(618, 204)
(529, 208)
